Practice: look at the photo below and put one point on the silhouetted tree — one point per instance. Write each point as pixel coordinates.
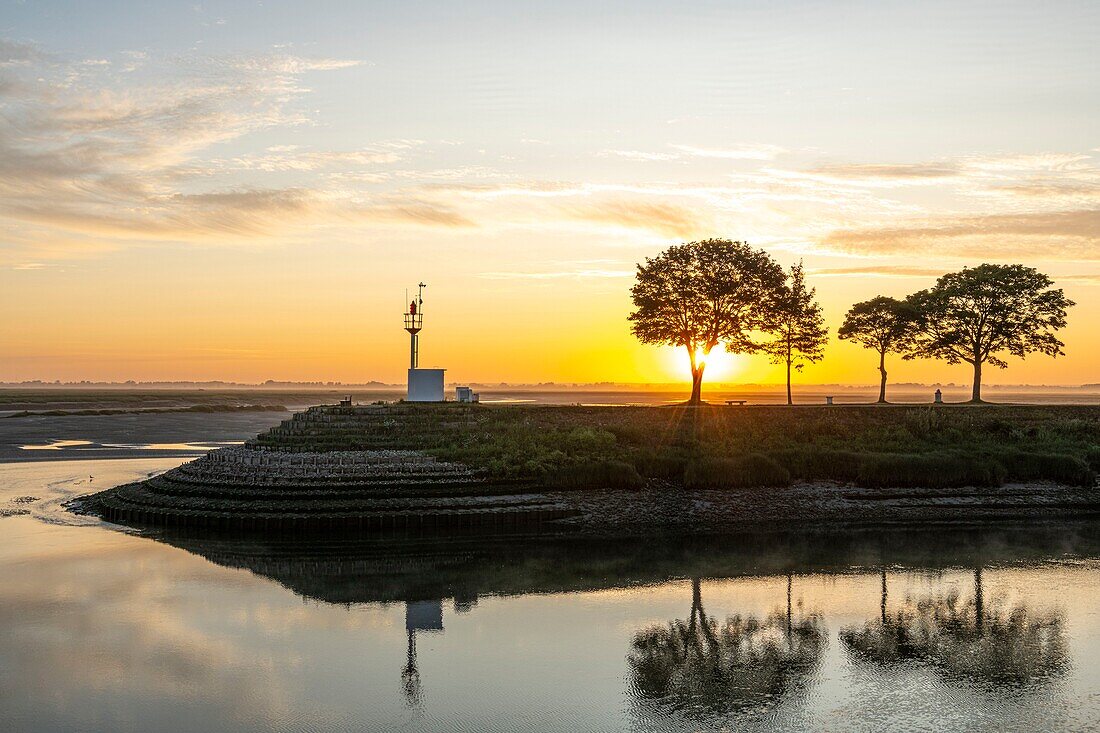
(796, 325)
(973, 315)
(701, 294)
(883, 324)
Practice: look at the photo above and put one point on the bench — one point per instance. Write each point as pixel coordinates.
(736, 402)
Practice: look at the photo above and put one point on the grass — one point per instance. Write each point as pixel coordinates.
(1027, 466)
(596, 475)
(738, 472)
(735, 447)
(931, 471)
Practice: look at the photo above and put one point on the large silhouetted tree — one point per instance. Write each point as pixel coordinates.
(973, 315)
(702, 294)
(796, 325)
(883, 324)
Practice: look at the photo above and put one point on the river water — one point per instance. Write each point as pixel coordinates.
(107, 630)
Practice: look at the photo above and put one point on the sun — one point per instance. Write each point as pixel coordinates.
(722, 366)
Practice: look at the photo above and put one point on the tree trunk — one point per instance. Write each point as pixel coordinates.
(696, 376)
(697, 385)
(789, 400)
(976, 392)
(882, 381)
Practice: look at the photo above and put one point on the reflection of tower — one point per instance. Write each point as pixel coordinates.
(425, 385)
(979, 609)
(419, 616)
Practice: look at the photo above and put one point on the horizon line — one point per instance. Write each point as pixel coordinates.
(526, 386)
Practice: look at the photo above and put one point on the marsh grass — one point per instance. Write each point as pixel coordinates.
(1029, 466)
(813, 463)
(753, 469)
(596, 475)
(931, 471)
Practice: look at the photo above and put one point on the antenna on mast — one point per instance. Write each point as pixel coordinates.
(414, 321)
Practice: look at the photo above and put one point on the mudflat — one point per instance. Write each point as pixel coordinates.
(133, 435)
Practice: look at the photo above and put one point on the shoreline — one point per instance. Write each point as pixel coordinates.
(675, 511)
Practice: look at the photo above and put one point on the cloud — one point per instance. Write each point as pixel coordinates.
(222, 150)
(902, 172)
(1036, 162)
(738, 152)
(1093, 279)
(1068, 234)
(557, 275)
(517, 188)
(424, 213)
(1051, 190)
(666, 219)
(293, 159)
(286, 65)
(89, 162)
(878, 271)
(233, 213)
(638, 155)
(18, 53)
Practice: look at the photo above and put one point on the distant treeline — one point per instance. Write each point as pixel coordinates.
(151, 410)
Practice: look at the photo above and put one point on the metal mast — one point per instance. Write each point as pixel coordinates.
(414, 321)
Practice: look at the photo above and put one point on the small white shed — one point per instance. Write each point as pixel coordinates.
(425, 385)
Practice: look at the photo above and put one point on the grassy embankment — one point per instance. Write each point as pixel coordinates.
(715, 447)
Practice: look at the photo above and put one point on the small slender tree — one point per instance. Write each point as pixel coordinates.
(796, 325)
(973, 315)
(701, 294)
(883, 324)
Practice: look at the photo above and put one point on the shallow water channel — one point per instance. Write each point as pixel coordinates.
(960, 629)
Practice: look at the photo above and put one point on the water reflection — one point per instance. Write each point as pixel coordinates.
(976, 638)
(343, 571)
(701, 667)
(705, 666)
(105, 631)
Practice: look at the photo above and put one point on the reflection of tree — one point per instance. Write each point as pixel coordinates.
(972, 638)
(701, 665)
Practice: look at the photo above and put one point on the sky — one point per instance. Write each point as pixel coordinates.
(246, 190)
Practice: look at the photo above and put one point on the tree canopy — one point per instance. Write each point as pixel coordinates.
(702, 294)
(976, 314)
(883, 324)
(796, 325)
